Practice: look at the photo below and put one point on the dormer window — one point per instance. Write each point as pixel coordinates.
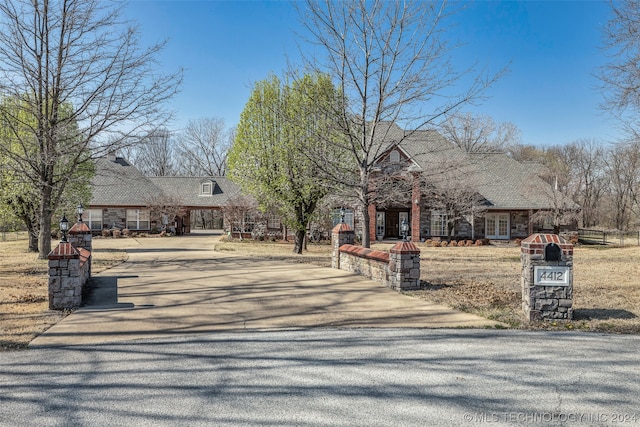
(394, 156)
(206, 188)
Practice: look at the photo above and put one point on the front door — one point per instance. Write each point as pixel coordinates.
(497, 226)
(392, 225)
(393, 221)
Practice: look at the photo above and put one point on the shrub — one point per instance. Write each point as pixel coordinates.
(453, 243)
(106, 233)
(479, 242)
(116, 233)
(126, 232)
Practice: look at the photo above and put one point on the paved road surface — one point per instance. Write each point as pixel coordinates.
(329, 377)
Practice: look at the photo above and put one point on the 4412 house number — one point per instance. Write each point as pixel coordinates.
(554, 276)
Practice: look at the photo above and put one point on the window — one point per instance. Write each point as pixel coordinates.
(394, 156)
(380, 226)
(438, 223)
(138, 219)
(497, 226)
(93, 218)
(273, 221)
(348, 217)
(206, 188)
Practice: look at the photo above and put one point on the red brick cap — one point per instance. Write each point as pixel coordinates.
(545, 238)
(342, 227)
(361, 252)
(536, 243)
(404, 248)
(80, 228)
(64, 251)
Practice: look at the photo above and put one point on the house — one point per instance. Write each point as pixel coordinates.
(124, 198)
(447, 192)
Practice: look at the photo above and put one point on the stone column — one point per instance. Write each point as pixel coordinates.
(81, 238)
(404, 266)
(341, 234)
(547, 277)
(65, 277)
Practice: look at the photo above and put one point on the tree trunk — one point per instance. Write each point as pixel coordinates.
(299, 242)
(44, 239)
(33, 239)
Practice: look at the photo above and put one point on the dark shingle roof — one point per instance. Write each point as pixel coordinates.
(118, 183)
(187, 189)
(504, 182)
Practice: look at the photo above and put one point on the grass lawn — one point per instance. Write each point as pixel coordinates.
(24, 308)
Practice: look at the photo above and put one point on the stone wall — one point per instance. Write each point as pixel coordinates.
(398, 269)
(365, 262)
(547, 277)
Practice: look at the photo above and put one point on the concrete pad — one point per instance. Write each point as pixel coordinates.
(181, 286)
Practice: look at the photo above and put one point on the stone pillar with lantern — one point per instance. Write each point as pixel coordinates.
(69, 268)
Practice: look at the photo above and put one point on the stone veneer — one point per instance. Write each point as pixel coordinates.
(398, 269)
(70, 268)
(547, 301)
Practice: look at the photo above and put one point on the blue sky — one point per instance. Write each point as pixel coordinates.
(553, 49)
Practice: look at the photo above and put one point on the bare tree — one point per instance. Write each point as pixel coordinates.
(164, 209)
(451, 189)
(525, 153)
(240, 214)
(588, 161)
(623, 172)
(476, 134)
(621, 75)
(203, 146)
(155, 155)
(79, 71)
(391, 63)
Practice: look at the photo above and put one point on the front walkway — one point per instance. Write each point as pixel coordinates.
(180, 286)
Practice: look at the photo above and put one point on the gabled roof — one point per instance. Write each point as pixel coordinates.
(118, 183)
(507, 184)
(503, 182)
(188, 189)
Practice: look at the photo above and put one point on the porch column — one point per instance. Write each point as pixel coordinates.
(372, 222)
(416, 203)
(187, 222)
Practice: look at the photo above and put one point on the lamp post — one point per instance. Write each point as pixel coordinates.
(80, 212)
(64, 227)
(404, 228)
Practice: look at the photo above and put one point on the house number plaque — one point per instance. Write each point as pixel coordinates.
(551, 276)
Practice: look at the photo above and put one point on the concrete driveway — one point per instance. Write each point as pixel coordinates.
(181, 286)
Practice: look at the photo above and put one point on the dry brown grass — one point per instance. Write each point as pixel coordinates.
(485, 280)
(24, 308)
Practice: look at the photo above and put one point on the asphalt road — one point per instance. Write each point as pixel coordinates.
(329, 377)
